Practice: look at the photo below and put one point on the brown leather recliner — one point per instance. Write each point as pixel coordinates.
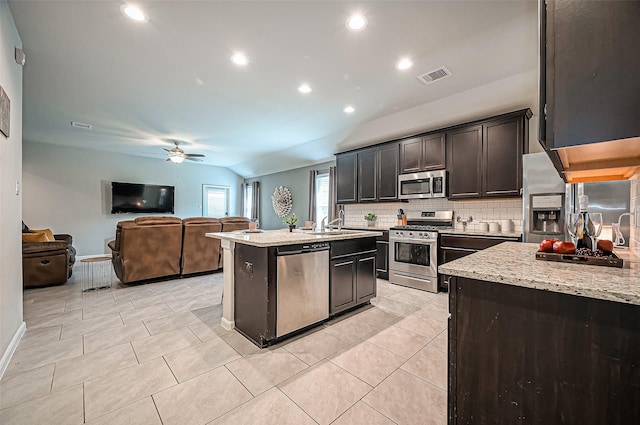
(47, 263)
(147, 248)
(199, 253)
(229, 224)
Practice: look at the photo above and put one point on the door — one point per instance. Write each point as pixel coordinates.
(388, 172)
(346, 177)
(433, 152)
(215, 201)
(367, 175)
(418, 257)
(503, 140)
(343, 284)
(366, 277)
(465, 162)
(382, 259)
(410, 155)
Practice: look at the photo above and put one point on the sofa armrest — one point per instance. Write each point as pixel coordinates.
(64, 237)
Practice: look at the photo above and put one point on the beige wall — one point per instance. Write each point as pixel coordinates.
(69, 190)
(10, 172)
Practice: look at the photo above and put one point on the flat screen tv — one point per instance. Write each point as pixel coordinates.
(141, 198)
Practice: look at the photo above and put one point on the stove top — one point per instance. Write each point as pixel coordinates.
(428, 221)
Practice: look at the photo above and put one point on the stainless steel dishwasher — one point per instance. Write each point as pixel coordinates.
(302, 286)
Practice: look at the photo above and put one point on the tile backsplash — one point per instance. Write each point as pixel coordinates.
(480, 210)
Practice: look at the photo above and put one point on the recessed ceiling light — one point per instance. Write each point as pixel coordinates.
(239, 59)
(404, 64)
(349, 109)
(304, 88)
(356, 22)
(134, 12)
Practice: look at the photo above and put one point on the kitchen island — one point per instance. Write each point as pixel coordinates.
(279, 282)
(540, 342)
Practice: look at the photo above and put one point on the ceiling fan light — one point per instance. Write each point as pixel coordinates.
(176, 159)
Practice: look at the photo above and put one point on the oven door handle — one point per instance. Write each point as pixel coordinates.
(410, 277)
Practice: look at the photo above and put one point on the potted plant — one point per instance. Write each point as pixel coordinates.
(371, 219)
(291, 221)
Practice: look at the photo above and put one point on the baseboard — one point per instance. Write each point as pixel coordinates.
(8, 353)
(226, 324)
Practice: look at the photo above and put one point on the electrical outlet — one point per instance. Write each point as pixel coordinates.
(636, 217)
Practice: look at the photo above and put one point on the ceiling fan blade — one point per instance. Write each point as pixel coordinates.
(194, 155)
(168, 150)
(193, 159)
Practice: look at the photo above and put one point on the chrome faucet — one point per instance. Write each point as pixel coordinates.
(339, 220)
(322, 226)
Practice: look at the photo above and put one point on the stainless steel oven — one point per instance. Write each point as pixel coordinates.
(413, 250)
(413, 259)
(427, 184)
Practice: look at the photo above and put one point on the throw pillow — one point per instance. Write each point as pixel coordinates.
(35, 237)
(48, 233)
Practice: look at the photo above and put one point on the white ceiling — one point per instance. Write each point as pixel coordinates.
(142, 84)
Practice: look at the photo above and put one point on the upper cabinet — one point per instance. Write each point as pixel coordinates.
(347, 178)
(422, 153)
(368, 175)
(589, 88)
(485, 159)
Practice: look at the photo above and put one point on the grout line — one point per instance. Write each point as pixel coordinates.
(153, 400)
(170, 370)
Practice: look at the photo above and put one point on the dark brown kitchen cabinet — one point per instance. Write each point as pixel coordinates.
(353, 273)
(465, 162)
(589, 71)
(368, 175)
(502, 149)
(454, 246)
(485, 160)
(423, 153)
(347, 178)
(528, 356)
(388, 172)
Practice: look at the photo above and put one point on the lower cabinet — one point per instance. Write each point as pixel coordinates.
(453, 247)
(353, 273)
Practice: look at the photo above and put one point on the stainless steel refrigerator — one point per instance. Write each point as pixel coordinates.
(547, 199)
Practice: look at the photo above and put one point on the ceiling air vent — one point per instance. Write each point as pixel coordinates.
(434, 75)
(81, 125)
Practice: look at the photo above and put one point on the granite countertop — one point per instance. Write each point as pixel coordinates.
(514, 263)
(478, 233)
(281, 237)
(368, 228)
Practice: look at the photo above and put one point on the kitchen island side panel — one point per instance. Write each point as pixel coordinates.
(255, 292)
(522, 355)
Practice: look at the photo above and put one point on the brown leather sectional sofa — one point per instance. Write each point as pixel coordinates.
(150, 248)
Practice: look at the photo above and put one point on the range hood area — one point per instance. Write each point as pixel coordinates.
(604, 161)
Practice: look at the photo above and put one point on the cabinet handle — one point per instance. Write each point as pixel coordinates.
(343, 264)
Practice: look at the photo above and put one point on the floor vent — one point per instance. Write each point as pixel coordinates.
(434, 75)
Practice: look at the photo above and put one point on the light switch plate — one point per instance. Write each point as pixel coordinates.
(17, 187)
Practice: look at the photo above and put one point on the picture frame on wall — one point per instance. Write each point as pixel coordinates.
(5, 106)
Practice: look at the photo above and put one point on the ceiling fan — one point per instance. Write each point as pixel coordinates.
(177, 155)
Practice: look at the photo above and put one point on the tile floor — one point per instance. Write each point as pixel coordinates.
(156, 354)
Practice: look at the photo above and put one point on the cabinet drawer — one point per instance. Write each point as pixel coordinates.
(473, 242)
(353, 246)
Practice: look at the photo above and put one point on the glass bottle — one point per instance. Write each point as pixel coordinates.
(585, 228)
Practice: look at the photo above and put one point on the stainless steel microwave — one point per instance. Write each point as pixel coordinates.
(427, 184)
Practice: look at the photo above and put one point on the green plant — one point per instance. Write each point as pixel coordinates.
(291, 220)
(370, 217)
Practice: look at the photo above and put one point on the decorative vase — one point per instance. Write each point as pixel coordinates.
(291, 227)
(371, 223)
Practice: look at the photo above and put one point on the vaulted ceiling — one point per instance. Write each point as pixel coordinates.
(141, 84)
